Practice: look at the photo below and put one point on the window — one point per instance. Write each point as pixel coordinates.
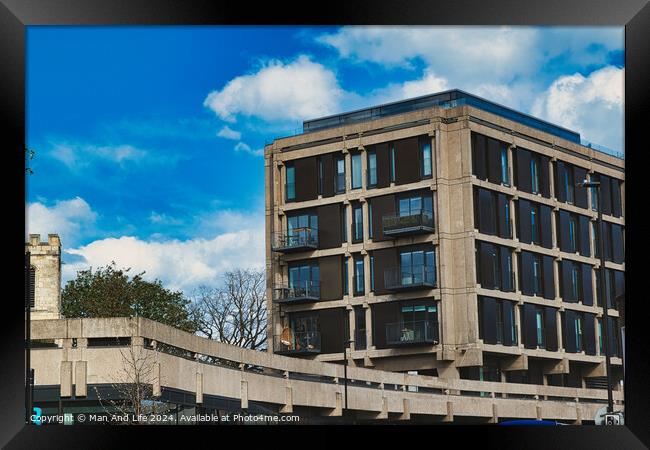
(508, 284)
(569, 185)
(575, 282)
(291, 183)
(417, 267)
(506, 217)
(513, 327)
(356, 171)
(505, 175)
(594, 240)
(346, 288)
(392, 163)
(425, 150)
(357, 223)
(372, 273)
(534, 173)
(537, 275)
(372, 168)
(32, 286)
(578, 329)
(573, 243)
(601, 349)
(340, 175)
(499, 311)
(539, 322)
(320, 176)
(594, 194)
(535, 230)
(298, 224)
(359, 288)
(304, 276)
(421, 204)
(344, 223)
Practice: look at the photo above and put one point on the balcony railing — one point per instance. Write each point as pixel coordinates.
(359, 339)
(415, 332)
(417, 223)
(303, 292)
(298, 240)
(416, 277)
(307, 342)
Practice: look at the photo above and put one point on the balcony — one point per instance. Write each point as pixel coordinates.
(301, 343)
(400, 225)
(299, 240)
(303, 292)
(423, 332)
(410, 278)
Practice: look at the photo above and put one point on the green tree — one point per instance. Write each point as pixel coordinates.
(109, 292)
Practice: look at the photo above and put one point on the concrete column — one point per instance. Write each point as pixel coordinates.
(554, 230)
(551, 178)
(364, 170)
(366, 273)
(518, 323)
(515, 269)
(351, 326)
(80, 372)
(366, 220)
(556, 275)
(66, 378)
(350, 276)
(560, 340)
(369, 326)
(199, 388)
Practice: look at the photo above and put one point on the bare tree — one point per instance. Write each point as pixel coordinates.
(234, 313)
(133, 386)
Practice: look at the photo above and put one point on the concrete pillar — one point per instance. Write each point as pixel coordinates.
(244, 394)
(287, 408)
(80, 380)
(199, 388)
(156, 380)
(558, 322)
(351, 327)
(66, 378)
(369, 326)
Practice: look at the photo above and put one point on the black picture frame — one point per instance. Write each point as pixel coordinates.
(15, 15)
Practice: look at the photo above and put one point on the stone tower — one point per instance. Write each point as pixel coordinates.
(45, 260)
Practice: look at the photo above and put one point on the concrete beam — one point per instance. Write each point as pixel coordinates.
(469, 357)
(288, 405)
(597, 370)
(338, 410)
(515, 363)
(450, 413)
(406, 414)
(556, 367)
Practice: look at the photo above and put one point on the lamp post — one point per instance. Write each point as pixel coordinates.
(601, 241)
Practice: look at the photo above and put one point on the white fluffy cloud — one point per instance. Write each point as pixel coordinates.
(279, 91)
(75, 155)
(591, 105)
(228, 133)
(180, 264)
(427, 84)
(456, 53)
(244, 147)
(67, 218)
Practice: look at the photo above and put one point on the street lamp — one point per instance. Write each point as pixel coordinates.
(601, 241)
(345, 372)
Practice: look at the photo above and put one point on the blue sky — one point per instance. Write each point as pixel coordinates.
(148, 139)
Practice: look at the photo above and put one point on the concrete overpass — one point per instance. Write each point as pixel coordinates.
(85, 356)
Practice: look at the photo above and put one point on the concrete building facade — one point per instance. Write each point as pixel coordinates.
(45, 276)
(444, 235)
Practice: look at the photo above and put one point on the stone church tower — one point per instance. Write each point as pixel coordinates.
(45, 290)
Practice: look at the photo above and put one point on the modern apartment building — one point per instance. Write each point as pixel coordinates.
(444, 235)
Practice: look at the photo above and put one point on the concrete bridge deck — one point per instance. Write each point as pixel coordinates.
(198, 365)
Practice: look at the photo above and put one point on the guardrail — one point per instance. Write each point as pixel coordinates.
(306, 291)
(257, 370)
(301, 239)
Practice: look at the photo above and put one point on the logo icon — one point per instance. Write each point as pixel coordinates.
(36, 417)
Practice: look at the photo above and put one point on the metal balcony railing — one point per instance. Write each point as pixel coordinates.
(305, 291)
(300, 239)
(415, 277)
(415, 332)
(294, 343)
(416, 223)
